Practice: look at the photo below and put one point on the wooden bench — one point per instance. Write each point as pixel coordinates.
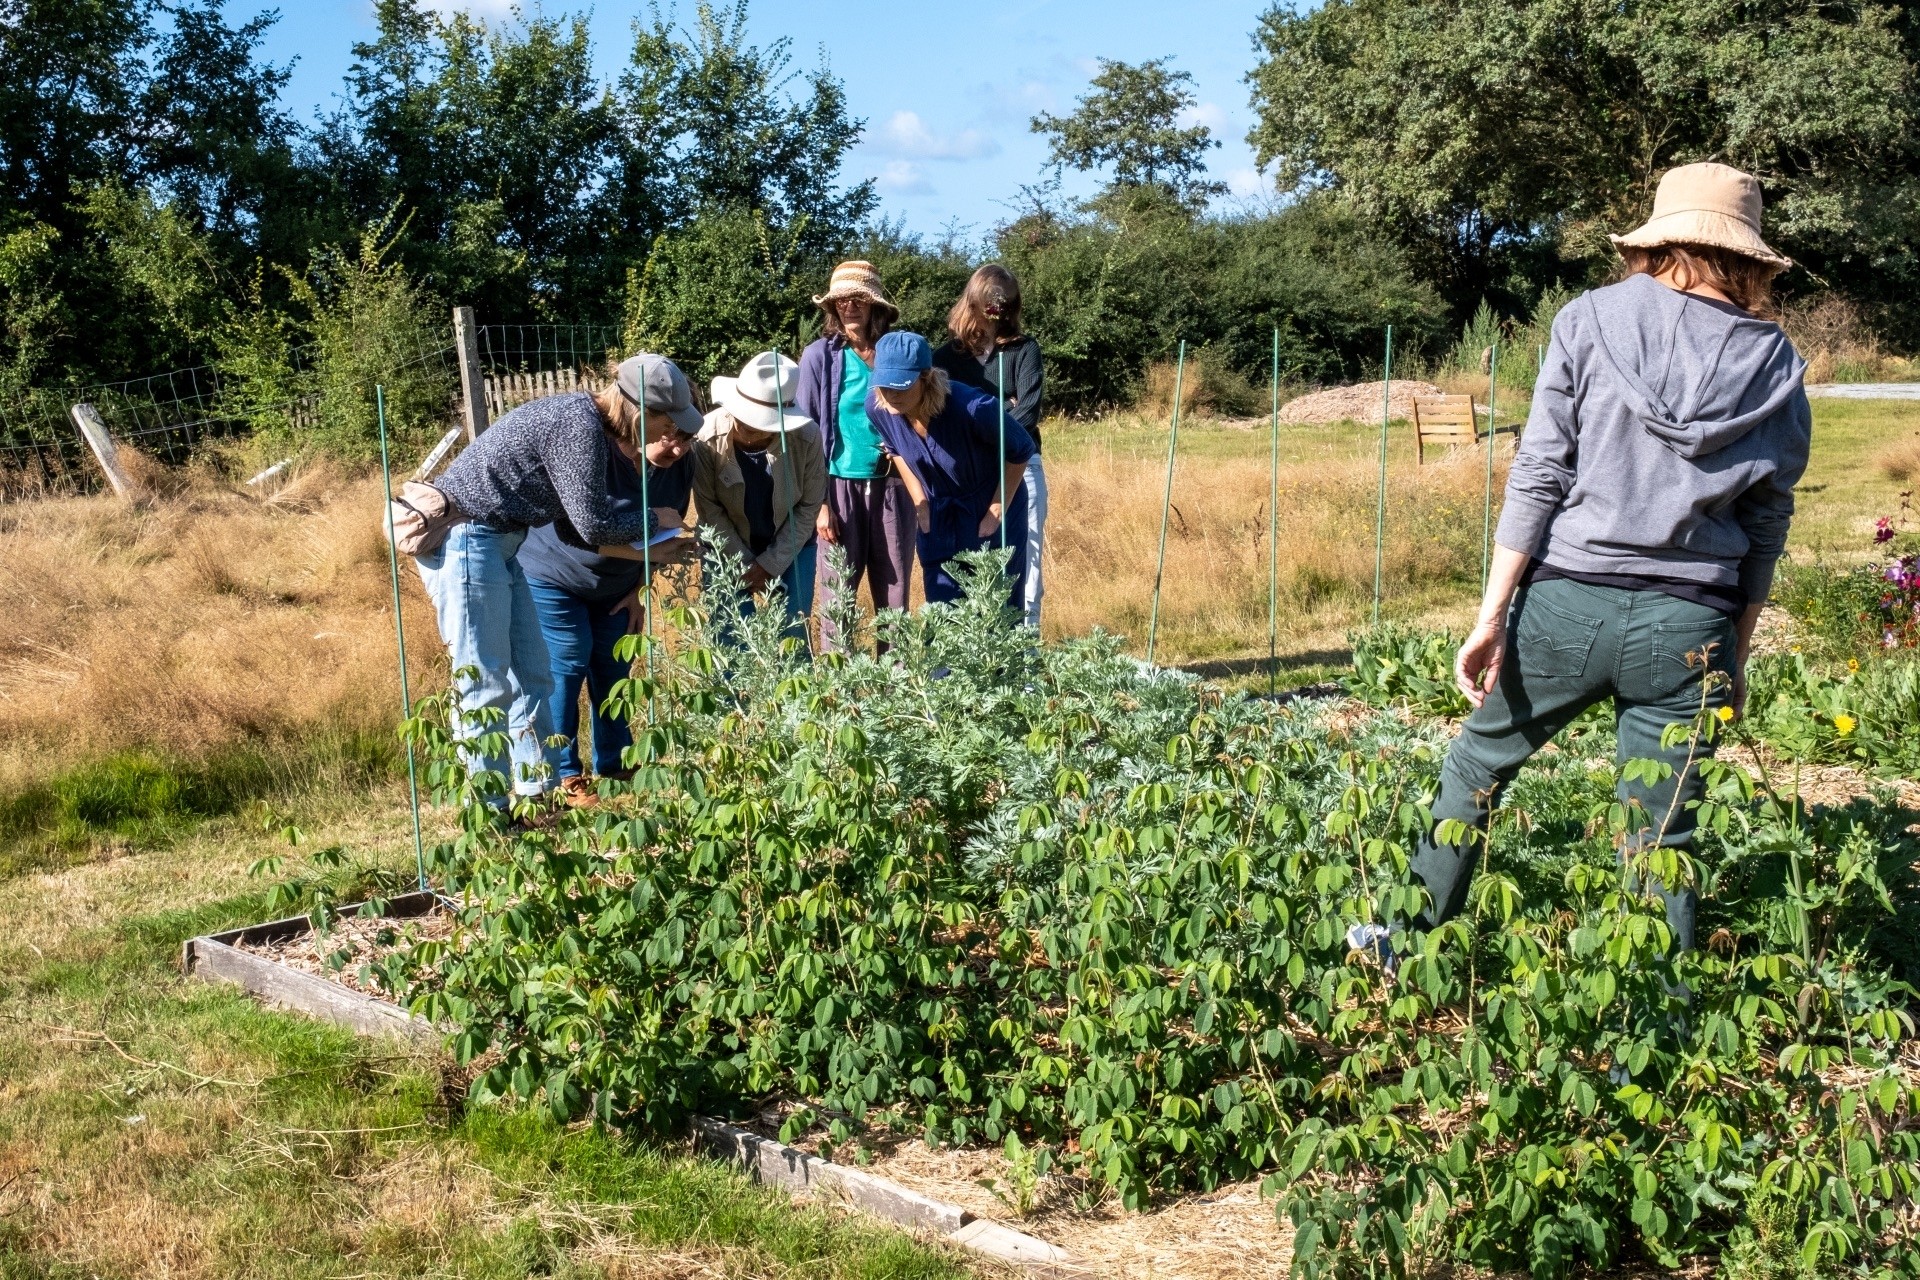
(1449, 422)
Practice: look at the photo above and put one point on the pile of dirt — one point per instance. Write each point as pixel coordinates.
(1358, 403)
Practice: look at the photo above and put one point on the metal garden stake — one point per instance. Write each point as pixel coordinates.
(1493, 419)
(400, 634)
(1173, 439)
(1380, 515)
(1273, 534)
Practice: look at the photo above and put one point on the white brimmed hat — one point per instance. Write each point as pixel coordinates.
(1709, 204)
(762, 396)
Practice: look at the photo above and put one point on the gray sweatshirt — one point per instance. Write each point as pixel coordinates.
(1666, 436)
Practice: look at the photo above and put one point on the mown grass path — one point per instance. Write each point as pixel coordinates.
(155, 1126)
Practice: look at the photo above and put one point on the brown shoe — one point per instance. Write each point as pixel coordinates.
(579, 793)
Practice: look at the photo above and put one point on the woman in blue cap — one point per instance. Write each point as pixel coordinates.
(947, 446)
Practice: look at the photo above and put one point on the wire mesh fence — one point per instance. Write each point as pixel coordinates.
(522, 362)
(169, 415)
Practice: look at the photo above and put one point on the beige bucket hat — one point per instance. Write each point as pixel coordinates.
(762, 397)
(1710, 204)
(858, 279)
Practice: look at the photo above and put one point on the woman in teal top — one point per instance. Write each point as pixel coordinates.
(868, 514)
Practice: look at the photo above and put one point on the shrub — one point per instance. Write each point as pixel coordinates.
(982, 889)
(1399, 665)
(309, 381)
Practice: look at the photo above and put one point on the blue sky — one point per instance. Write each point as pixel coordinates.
(946, 89)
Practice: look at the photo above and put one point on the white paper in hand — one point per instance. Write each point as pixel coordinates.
(665, 535)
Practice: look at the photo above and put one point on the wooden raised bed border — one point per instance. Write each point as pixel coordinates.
(217, 958)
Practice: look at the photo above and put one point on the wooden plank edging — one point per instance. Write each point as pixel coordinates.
(215, 958)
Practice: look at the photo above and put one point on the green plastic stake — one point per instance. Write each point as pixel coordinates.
(1001, 378)
(786, 456)
(1380, 516)
(1173, 439)
(1486, 515)
(1273, 534)
(400, 635)
(646, 562)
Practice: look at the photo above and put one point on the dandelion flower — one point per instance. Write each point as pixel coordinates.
(1853, 665)
(1843, 725)
(1725, 714)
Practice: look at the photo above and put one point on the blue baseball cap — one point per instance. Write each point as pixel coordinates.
(899, 359)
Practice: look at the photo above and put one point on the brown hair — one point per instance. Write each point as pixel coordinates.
(992, 288)
(1747, 282)
(881, 317)
(621, 417)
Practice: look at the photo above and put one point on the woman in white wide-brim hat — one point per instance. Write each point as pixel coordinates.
(759, 478)
(1646, 506)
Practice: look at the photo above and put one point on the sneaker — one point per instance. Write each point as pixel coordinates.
(1373, 939)
(578, 793)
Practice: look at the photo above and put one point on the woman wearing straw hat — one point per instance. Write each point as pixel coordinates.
(759, 479)
(867, 512)
(1646, 506)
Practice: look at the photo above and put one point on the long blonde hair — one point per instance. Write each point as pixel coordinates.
(991, 288)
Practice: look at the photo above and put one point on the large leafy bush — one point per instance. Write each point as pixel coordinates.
(981, 889)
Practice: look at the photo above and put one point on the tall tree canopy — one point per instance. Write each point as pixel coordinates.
(1490, 136)
(1129, 122)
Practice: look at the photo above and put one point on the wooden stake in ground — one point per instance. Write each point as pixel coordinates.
(473, 383)
(94, 432)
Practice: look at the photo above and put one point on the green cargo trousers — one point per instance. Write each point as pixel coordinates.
(1569, 645)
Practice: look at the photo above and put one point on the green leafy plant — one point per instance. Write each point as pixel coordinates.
(994, 891)
(1398, 665)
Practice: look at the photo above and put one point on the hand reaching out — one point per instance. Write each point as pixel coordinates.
(1476, 668)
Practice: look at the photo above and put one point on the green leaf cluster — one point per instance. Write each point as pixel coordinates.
(994, 892)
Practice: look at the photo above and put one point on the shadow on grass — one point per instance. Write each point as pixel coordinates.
(134, 799)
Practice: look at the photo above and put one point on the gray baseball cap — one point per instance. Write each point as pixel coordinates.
(657, 383)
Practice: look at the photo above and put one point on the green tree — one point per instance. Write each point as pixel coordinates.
(1129, 122)
(1492, 138)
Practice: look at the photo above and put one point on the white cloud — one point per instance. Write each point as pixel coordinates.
(902, 178)
(1207, 113)
(1247, 182)
(906, 135)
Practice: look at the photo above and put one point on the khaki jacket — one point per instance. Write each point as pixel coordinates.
(720, 492)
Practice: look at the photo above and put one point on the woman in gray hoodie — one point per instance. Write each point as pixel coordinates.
(1646, 506)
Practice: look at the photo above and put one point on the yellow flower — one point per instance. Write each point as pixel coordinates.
(1725, 714)
(1853, 665)
(1843, 725)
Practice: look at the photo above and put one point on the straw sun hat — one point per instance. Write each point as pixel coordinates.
(858, 279)
(1709, 204)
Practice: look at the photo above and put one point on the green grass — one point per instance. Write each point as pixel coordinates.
(151, 1124)
(135, 799)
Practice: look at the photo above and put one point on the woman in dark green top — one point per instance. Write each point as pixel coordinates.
(985, 324)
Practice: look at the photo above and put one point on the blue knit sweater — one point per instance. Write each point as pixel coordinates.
(542, 462)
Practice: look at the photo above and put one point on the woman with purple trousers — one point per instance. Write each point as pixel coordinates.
(868, 514)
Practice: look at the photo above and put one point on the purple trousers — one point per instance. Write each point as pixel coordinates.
(873, 527)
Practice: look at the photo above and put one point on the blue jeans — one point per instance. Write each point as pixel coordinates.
(486, 616)
(798, 582)
(940, 584)
(580, 637)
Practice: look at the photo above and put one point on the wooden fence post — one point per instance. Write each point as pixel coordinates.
(473, 387)
(94, 432)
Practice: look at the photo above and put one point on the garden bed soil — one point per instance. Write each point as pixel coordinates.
(352, 943)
